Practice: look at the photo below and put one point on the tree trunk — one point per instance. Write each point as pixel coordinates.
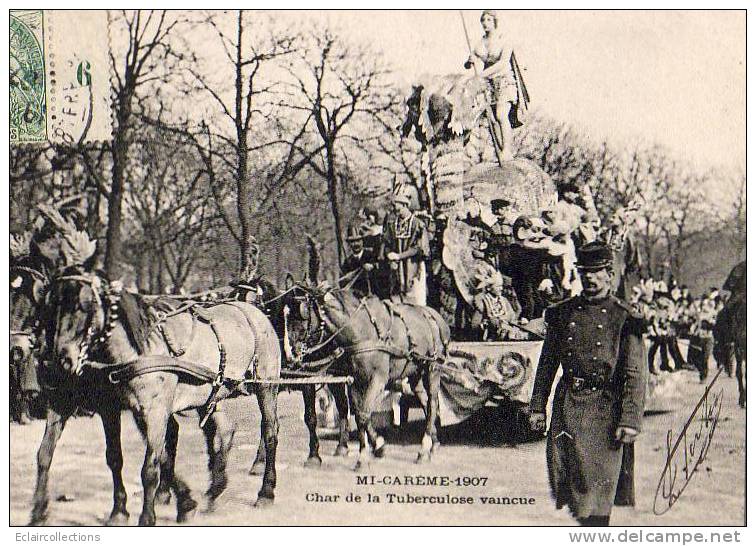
(333, 196)
(120, 152)
(115, 201)
(243, 195)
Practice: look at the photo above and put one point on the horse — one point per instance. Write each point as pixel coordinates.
(383, 342)
(292, 320)
(730, 338)
(32, 265)
(88, 318)
(28, 281)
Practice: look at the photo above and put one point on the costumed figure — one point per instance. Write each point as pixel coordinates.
(371, 230)
(495, 314)
(495, 61)
(531, 267)
(627, 256)
(704, 314)
(642, 302)
(599, 401)
(565, 281)
(661, 331)
(405, 248)
(571, 208)
(252, 287)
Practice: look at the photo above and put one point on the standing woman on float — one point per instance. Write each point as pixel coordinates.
(494, 53)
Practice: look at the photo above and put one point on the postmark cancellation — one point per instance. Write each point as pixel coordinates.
(59, 77)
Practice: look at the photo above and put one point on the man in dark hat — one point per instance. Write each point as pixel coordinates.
(358, 267)
(598, 405)
(500, 234)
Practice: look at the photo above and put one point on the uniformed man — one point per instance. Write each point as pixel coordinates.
(596, 340)
(501, 235)
(358, 266)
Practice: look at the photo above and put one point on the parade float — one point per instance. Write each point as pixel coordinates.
(462, 173)
(449, 117)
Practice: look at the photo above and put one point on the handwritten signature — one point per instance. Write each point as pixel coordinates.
(689, 450)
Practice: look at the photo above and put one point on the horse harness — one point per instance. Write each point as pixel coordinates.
(119, 372)
(385, 343)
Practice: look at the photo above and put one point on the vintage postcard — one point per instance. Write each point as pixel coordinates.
(377, 268)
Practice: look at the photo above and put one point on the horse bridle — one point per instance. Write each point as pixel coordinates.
(324, 341)
(110, 312)
(31, 334)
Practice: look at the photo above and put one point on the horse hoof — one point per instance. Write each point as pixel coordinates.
(361, 465)
(145, 521)
(163, 497)
(216, 489)
(257, 469)
(423, 457)
(341, 451)
(313, 462)
(188, 510)
(38, 520)
(117, 520)
(435, 448)
(186, 517)
(263, 502)
(379, 452)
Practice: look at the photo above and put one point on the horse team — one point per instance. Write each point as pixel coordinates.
(103, 350)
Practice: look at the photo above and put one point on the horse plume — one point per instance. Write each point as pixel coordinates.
(313, 270)
(53, 215)
(77, 247)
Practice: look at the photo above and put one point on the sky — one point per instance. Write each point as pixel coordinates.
(677, 78)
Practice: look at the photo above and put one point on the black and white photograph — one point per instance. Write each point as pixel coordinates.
(378, 268)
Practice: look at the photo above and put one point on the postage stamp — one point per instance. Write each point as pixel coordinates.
(59, 85)
(28, 121)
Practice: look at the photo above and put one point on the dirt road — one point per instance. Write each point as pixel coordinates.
(81, 487)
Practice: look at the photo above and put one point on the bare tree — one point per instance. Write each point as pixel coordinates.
(343, 90)
(149, 59)
(228, 154)
(739, 226)
(169, 207)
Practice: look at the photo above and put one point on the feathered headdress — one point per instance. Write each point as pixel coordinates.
(76, 246)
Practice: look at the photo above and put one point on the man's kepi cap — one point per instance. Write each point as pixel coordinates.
(594, 256)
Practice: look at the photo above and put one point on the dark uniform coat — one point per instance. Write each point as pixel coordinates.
(353, 263)
(599, 347)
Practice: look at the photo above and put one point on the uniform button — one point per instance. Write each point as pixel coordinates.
(593, 388)
(569, 354)
(569, 338)
(595, 358)
(600, 326)
(603, 310)
(598, 344)
(580, 308)
(572, 324)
